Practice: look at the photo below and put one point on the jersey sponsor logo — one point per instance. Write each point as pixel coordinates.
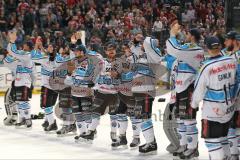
(179, 82)
(199, 57)
(220, 112)
(222, 68)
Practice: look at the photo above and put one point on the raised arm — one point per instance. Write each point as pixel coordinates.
(12, 49)
(192, 55)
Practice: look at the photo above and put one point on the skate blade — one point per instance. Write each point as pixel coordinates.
(50, 132)
(83, 141)
(134, 148)
(121, 147)
(66, 135)
(194, 158)
(148, 154)
(23, 128)
(80, 140)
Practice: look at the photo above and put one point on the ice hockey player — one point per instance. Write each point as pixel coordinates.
(48, 95)
(170, 117)
(82, 74)
(232, 50)
(189, 57)
(237, 120)
(127, 102)
(147, 70)
(64, 56)
(65, 97)
(10, 62)
(215, 85)
(105, 95)
(23, 80)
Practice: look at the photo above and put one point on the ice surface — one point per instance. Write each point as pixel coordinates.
(35, 144)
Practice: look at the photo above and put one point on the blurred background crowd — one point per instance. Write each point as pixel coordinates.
(105, 20)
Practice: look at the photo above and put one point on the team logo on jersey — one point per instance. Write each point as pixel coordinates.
(189, 139)
(114, 124)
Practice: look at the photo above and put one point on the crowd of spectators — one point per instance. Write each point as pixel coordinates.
(105, 20)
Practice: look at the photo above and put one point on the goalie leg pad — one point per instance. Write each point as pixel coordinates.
(170, 126)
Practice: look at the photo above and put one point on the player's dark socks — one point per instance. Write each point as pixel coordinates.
(51, 127)
(148, 148)
(135, 142)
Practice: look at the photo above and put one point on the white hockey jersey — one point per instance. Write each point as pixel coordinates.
(47, 67)
(236, 56)
(60, 72)
(126, 75)
(216, 86)
(84, 76)
(11, 63)
(105, 83)
(24, 68)
(147, 67)
(189, 57)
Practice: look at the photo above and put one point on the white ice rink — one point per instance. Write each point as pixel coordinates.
(35, 144)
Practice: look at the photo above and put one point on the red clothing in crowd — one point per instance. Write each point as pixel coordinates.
(22, 6)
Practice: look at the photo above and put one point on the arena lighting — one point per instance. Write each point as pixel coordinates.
(232, 13)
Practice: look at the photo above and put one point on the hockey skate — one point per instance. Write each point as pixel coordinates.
(148, 148)
(80, 138)
(135, 142)
(9, 121)
(189, 154)
(45, 124)
(88, 137)
(180, 151)
(234, 157)
(51, 127)
(20, 124)
(120, 143)
(28, 123)
(67, 129)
